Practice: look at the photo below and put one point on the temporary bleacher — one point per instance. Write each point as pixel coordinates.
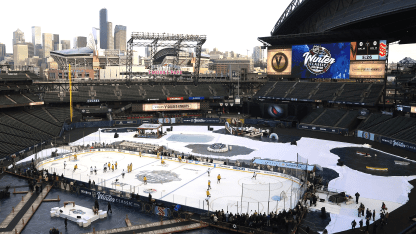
(176, 91)
(408, 134)
(263, 89)
(154, 92)
(352, 92)
(312, 116)
(374, 93)
(373, 120)
(326, 91)
(347, 119)
(280, 89)
(5, 100)
(392, 126)
(330, 117)
(302, 90)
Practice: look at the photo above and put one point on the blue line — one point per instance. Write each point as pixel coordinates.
(131, 170)
(186, 183)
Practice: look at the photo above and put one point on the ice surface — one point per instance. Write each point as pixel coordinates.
(191, 189)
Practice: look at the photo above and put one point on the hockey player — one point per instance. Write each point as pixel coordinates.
(140, 154)
(116, 165)
(108, 165)
(208, 194)
(163, 162)
(95, 170)
(209, 172)
(218, 179)
(209, 184)
(64, 164)
(254, 176)
(105, 168)
(180, 158)
(112, 167)
(144, 180)
(122, 174)
(91, 170)
(75, 167)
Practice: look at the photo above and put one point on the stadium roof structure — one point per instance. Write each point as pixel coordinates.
(309, 21)
(84, 51)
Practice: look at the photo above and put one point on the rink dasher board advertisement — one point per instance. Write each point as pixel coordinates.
(110, 198)
(397, 143)
(323, 129)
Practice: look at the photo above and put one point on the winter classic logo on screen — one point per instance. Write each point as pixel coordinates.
(318, 60)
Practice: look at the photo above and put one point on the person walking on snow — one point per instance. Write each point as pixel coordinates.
(353, 224)
(357, 196)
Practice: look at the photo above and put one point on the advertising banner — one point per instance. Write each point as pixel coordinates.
(194, 120)
(279, 61)
(171, 107)
(110, 198)
(323, 129)
(367, 69)
(365, 135)
(321, 60)
(397, 143)
(196, 98)
(122, 122)
(175, 98)
(283, 164)
(382, 53)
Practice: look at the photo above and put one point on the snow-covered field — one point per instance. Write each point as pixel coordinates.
(193, 184)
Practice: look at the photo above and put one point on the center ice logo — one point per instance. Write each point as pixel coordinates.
(318, 60)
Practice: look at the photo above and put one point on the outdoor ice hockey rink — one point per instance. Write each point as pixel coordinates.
(187, 183)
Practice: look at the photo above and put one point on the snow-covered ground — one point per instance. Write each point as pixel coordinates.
(373, 189)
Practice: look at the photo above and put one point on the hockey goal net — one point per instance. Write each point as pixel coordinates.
(73, 158)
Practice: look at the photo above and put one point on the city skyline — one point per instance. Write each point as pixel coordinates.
(228, 25)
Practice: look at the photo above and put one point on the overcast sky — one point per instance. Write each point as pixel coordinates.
(229, 25)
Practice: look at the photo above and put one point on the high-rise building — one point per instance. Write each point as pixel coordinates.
(147, 52)
(256, 54)
(74, 43)
(66, 44)
(81, 42)
(36, 39)
(2, 51)
(110, 38)
(18, 37)
(103, 28)
(20, 54)
(55, 39)
(30, 49)
(120, 37)
(96, 35)
(47, 44)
